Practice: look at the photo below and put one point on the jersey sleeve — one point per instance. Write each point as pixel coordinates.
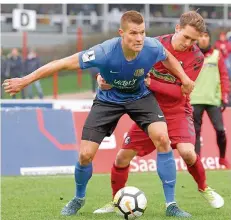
(169, 89)
(94, 57)
(162, 55)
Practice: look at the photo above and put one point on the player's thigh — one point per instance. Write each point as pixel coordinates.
(145, 111)
(215, 116)
(138, 141)
(101, 121)
(181, 130)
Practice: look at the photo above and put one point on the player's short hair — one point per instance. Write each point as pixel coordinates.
(131, 17)
(194, 19)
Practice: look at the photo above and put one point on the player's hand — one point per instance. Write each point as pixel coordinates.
(187, 86)
(147, 80)
(14, 85)
(223, 105)
(102, 83)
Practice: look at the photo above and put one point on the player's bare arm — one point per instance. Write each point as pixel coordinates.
(173, 65)
(15, 85)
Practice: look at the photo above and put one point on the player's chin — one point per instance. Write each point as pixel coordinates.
(138, 48)
(182, 48)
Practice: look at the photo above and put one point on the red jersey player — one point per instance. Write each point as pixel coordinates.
(178, 112)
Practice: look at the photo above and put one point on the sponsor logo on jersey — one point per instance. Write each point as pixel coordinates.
(125, 84)
(139, 72)
(111, 71)
(164, 53)
(88, 56)
(181, 63)
(127, 140)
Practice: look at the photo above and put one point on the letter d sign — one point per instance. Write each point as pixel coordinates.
(24, 19)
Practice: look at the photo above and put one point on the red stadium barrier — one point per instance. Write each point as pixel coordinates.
(110, 146)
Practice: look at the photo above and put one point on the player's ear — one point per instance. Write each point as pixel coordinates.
(177, 28)
(121, 32)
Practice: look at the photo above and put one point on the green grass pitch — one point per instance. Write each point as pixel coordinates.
(38, 198)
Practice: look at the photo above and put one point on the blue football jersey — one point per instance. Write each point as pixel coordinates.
(126, 77)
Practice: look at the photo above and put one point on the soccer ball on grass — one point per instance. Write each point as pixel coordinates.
(130, 202)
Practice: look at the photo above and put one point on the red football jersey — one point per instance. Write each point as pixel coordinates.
(166, 86)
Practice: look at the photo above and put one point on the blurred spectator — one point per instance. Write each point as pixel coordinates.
(224, 46)
(15, 65)
(228, 36)
(93, 72)
(211, 94)
(32, 63)
(4, 72)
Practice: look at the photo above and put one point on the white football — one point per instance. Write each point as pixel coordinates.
(130, 202)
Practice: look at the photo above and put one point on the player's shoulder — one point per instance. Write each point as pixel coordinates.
(166, 38)
(151, 42)
(195, 51)
(193, 57)
(195, 48)
(110, 45)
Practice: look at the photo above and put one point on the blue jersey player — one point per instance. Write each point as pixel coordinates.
(124, 63)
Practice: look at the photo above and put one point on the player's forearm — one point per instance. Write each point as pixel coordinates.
(171, 90)
(67, 63)
(44, 71)
(173, 65)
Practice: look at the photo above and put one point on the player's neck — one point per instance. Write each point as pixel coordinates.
(129, 54)
(173, 42)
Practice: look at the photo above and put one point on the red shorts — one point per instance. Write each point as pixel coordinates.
(180, 130)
